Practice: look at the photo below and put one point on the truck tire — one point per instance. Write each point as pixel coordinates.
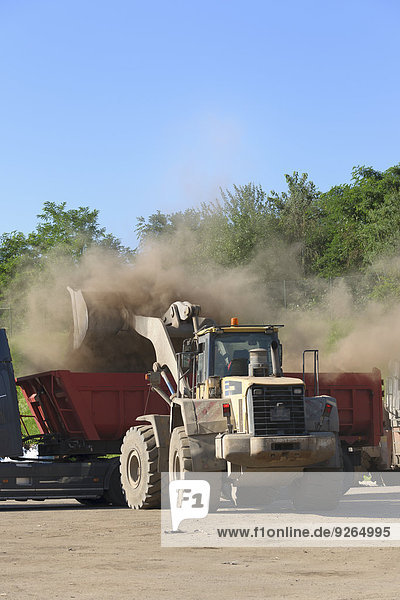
(181, 464)
(140, 479)
(115, 494)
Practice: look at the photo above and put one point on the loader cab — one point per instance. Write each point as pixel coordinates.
(224, 351)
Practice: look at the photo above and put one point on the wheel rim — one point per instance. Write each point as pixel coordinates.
(134, 469)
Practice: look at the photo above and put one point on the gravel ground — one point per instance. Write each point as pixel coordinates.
(65, 550)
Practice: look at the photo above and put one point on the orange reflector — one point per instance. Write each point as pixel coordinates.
(5, 480)
(234, 322)
(226, 409)
(96, 479)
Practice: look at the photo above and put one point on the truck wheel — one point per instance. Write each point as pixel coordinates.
(140, 479)
(181, 464)
(348, 472)
(115, 495)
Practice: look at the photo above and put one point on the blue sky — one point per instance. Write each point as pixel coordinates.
(130, 107)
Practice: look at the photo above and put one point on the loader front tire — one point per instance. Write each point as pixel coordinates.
(180, 458)
(140, 479)
(181, 466)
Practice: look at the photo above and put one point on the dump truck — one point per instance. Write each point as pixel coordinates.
(365, 425)
(231, 409)
(81, 419)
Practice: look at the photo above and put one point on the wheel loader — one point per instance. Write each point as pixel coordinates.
(231, 409)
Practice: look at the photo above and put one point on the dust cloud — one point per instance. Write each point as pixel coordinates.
(350, 336)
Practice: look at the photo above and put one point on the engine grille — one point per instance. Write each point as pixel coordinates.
(277, 411)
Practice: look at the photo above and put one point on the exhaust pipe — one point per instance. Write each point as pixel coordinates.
(276, 367)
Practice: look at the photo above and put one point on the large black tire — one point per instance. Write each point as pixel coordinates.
(140, 479)
(115, 494)
(181, 465)
(180, 458)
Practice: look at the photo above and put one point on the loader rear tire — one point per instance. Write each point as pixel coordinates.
(140, 479)
(181, 465)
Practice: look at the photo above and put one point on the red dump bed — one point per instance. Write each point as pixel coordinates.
(359, 399)
(102, 406)
(91, 406)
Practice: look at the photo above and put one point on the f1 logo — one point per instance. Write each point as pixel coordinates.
(189, 499)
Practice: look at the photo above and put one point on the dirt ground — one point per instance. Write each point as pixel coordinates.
(65, 550)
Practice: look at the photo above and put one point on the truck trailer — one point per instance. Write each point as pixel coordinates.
(81, 419)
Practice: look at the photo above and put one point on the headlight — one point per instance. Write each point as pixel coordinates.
(297, 391)
(257, 391)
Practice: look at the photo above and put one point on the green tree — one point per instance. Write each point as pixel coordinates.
(298, 216)
(339, 232)
(361, 221)
(71, 232)
(13, 247)
(226, 232)
(250, 222)
(159, 224)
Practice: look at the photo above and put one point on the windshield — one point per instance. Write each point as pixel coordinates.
(231, 352)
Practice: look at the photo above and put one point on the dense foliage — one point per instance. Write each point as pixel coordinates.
(70, 233)
(341, 232)
(335, 233)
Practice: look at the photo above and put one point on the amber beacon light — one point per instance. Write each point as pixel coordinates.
(234, 322)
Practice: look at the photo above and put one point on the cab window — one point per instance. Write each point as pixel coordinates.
(201, 365)
(231, 352)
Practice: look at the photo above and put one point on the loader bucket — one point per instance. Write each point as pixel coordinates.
(95, 316)
(102, 338)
